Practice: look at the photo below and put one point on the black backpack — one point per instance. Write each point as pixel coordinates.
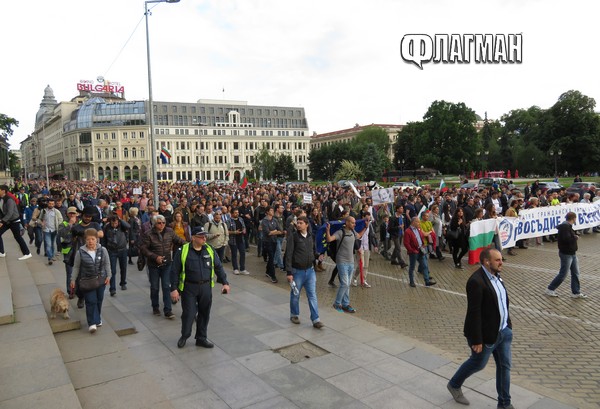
(333, 249)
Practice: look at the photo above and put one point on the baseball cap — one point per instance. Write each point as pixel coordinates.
(72, 209)
(198, 231)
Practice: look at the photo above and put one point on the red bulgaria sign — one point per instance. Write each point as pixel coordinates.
(100, 86)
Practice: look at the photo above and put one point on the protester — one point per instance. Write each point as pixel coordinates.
(90, 260)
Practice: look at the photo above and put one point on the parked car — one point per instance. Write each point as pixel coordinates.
(582, 187)
(404, 185)
(470, 185)
(489, 182)
(550, 187)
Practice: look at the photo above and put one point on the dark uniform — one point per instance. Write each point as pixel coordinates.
(195, 285)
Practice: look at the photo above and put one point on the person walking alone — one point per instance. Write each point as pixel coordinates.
(567, 251)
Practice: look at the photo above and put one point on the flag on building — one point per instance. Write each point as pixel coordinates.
(165, 155)
(481, 237)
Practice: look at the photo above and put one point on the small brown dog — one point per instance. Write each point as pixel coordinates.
(59, 304)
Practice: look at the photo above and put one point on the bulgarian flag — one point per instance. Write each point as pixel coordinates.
(443, 185)
(165, 155)
(482, 236)
(244, 181)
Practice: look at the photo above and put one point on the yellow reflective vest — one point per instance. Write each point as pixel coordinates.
(184, 252)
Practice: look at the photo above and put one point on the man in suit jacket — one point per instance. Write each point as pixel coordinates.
(487, 328)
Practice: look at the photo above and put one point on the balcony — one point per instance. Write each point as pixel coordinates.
(83, 160)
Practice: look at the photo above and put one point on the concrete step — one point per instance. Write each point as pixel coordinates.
(7, 313)
(111, 309)
(35, 374)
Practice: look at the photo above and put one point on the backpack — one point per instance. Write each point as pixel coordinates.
(332, 250)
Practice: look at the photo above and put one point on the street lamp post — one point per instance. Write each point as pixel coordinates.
(556, 156)
(150, 103)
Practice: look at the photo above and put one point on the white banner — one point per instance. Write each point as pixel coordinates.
(307, 198)
(137, 190)
(543, 221)
(381, 196)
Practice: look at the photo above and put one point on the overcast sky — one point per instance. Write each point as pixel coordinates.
(340, 60)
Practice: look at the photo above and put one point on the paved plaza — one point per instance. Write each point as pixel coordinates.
(398, 351)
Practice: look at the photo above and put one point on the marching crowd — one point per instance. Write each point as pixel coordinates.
(420, 224)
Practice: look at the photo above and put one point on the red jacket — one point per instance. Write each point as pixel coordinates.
(410, 241)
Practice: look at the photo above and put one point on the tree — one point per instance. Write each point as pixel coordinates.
(264, 165)
(13, 164)
(285, 169)
(349, 170)
(324, 162)
(375, 135)
(373, 162)
(6, 125)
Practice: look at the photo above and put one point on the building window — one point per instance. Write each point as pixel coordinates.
(133, 135)
(142, 153)
(141, 135)
(236, 159)
(113, 135)
(105, 135)
(133, 153)
(114, 153)
(125, 153)
(236, 146)
(106, 153)
(124, 135)
(99, 154)
(97, 136)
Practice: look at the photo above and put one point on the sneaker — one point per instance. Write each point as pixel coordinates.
(80, 303)
(38, 251)
(331, 285)
(113, 293)
(245, 272)
(366, 285)
(25, 257)
(236, 272)
(348, 308)
(551, 293)
(92, 328)
(459, 266)
(354, 283)
(318, 325)
(338, 307)
(2, 255)
(430, 283)
(49, 262)
(295, 320)
(100, 324)
(274, 280)
(579, 295)
(155, 311)
(458, 395)
(169, 315)
(123, 287)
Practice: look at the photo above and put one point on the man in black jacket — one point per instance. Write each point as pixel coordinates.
(567, 251)
(487, 328)
(10, 219)
(115, 239)
(300, 256)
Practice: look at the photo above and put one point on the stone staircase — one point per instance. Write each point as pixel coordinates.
(56, 363)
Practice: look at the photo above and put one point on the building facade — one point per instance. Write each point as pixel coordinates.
(346, 135)
(103, 136)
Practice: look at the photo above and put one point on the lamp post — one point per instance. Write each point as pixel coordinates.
(556, 156)
(150, 103)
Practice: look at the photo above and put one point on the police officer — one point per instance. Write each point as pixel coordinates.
(194, 268)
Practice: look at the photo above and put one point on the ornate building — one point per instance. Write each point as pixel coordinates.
(103, 136)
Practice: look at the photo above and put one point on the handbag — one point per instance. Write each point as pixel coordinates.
(92, 282)
(452, 234)
(141, 262)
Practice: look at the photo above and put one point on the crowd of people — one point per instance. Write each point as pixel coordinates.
(420, 224)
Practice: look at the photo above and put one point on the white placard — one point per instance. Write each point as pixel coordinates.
(307, 198)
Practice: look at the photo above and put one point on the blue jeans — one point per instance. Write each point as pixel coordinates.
(239, 248)
(345, 271)
(160, 276)
(121, 257)
(567, 262)
(278, 260)
(49, 240)
(93, 305)
(476, 362)
(307, 279)
(423, 261)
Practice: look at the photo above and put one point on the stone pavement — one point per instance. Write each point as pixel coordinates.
(398, 351)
